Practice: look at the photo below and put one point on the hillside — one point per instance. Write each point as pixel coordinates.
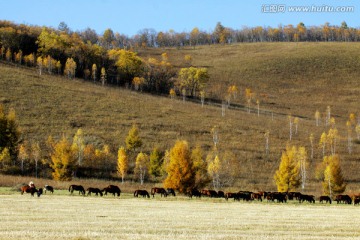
(288, 78)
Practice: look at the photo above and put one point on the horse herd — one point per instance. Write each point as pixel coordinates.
(280, 197)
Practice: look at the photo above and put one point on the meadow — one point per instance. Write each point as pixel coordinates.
(60, 216)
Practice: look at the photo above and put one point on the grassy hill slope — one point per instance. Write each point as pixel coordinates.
(296, 78)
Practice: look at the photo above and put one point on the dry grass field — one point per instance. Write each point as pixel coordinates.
(82, 218)
(288, 78)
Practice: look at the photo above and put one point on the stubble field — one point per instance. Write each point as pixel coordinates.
(75, 217)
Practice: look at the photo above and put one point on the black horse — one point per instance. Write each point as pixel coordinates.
(94, 190)
(112, 189)
(79, 188)
(48, 188)
(142, 193)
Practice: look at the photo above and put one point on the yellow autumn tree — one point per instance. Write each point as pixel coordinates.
(287, 177)
(141, 166)
(103, 76)
(78, 146)
(179, 169)
(62, 160)
(94, 71)
(200, 167)
(122, 163)
(193, 79)
(214, 169)
(70, 67)
(333, 182)
(172, 93)
(133, 140)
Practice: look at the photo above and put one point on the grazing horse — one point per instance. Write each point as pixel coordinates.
(94, 190)
(308, 198)
(209, 193)
(245, 195)
(257, 196)
(193, 192)
(170, 191)
(343, 198)
(278, 196)
(162, 191)
(31, 190)
(48, 188)
(112, 189)
(228, 195)
(220, 194)
(142, 193)
(356, 200)
(79, 188)
(325, 199)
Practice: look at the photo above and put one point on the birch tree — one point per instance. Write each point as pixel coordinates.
(141, 166)
(94, 72)
(36, 155)
(317, 118)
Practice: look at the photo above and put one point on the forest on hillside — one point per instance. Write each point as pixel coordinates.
(112, 57)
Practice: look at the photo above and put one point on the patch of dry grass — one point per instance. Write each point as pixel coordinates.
(64, 217)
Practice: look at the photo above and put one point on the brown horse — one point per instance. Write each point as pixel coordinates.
(79, 188)
(112, 189)
(161, 191)
(31, 190)
(142, 193)
(94, 190)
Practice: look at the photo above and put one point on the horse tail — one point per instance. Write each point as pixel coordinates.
(135, 193)
(70, 187)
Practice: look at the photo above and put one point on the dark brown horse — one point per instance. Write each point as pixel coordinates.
(193, 192)
(308, 198)
(209, 193)
(94, 190)
(48, 188)
(170, 191)
(233, 195)
(257, 196)
(115, 190)
(142, 193)
(325, 199)
(220, 194)
(161, 191)
(343, 199)
(79, 188)
(31, 190)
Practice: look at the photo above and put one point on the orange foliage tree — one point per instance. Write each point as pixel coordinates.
(180, 169)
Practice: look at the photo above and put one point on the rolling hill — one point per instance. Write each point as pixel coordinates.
(287, 78)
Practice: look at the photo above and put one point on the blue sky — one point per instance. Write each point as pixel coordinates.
(128, 17)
